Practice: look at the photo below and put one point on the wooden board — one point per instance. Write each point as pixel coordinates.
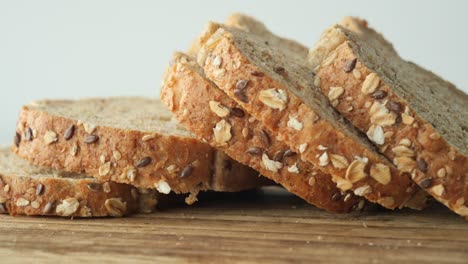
(268, 226)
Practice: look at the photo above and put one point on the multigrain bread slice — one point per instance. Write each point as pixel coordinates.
(413, 116)
(26, 189)
(278, 91)
(202, 108)
(251, 25)
(127, 140)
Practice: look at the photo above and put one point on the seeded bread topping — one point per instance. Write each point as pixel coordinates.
(414, 117)
(127, 140)
(206, 107)
(30, 190)
(273, 96)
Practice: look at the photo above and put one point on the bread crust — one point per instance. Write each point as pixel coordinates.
(436, 165)
(316, 131)
(142, 159)
(190, 98)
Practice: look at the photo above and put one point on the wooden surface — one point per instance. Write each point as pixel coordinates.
(266, 226)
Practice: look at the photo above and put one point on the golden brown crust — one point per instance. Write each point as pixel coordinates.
(51, 196)
(391, 189)
(142, 159)
(411, 142)
(198, 104)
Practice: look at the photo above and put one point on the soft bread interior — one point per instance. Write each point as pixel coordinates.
(129, 113)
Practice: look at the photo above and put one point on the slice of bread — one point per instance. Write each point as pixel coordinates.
(278, 91)
(413, 116)
(251, 25)
(26, 189)
(202, 108)
(126, 140)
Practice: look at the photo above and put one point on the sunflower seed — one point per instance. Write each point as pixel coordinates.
(336, 196)
(254, 151)
(48, 207)
(90, 139)
(187, 171)
(426, 183)
(257, 74)
(395, 106)
(278, 155)
(237, 112)
(69, 132)
(39, 189)
(240, 85)
(239, 94)
(28, 135)
(422, 165)
(380, 94)
(3, 209)
(289, 153)
(264, 137)
(350, 65)
(94, 186)
(17, 139)
(144, 162)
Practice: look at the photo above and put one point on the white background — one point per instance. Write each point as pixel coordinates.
(74, 49)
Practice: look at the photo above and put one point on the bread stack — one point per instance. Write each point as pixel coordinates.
(132, 149)
(341, 124)
(345, 121)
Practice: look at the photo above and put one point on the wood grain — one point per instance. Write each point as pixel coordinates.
(269, 226)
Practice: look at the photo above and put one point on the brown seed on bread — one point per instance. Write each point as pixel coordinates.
(90, 139)
(379, 94)
(94, 186)
(336, 196)
(426, 183)
(289, 153)
(187, 171)
(39, 189)
(257, 74)
(239, 91)
(48, 208)
(278, 155)
(240, 85)
(28, 134)
(281, 71)
(395, 106)
(422, 165)
(3, 209)
(17, 139)
(144, 162)
(265, 138)
(237, 112)
(254, 151)
(349, 66)
(69, 132)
